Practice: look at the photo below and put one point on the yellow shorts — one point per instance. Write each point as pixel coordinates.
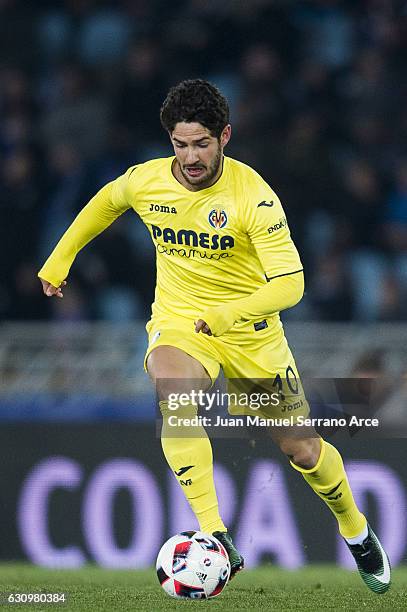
(256, 358)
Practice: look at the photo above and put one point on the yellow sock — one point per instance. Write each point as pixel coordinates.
(189, 454)
(329, 481)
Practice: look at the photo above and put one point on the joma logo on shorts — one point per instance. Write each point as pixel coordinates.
(289, 407)
(163, 209)
(193, 239)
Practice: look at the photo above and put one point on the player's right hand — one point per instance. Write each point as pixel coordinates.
(216, 320)
(50, 290)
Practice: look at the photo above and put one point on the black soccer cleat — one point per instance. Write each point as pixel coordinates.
(372, 561)
(236, 560)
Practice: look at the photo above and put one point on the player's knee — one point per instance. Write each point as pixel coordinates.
(176, 390)
(304, 453)
(163, 364)
(171, 362)
(174, 372)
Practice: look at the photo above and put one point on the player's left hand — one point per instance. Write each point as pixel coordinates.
(201, 326)
(215, 321)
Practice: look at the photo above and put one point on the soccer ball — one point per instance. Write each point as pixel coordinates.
(193, 565)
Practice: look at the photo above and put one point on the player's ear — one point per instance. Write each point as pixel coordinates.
(225, 135)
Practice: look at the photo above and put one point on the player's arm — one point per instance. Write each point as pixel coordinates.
(279, 294)
(269, 233)
(108, 204)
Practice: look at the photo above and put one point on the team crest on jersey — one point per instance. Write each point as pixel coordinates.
(218, 218)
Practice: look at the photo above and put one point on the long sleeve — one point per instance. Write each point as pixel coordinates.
(280, 293)
(108, 204)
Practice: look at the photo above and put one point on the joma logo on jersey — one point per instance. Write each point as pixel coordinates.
(218, 218)
(163, 209)
(193, 239)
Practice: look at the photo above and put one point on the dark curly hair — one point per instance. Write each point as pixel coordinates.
(195, 101)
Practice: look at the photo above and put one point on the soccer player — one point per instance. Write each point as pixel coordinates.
(226, 267)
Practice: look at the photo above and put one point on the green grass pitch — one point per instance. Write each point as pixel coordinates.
(267, 588)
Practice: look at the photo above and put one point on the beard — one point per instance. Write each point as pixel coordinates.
(207, 177)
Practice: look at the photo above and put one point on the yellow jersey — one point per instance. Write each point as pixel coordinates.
(212, 246)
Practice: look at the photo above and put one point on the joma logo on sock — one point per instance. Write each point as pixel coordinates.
(333, 491)
(336, 496)
(183, 470)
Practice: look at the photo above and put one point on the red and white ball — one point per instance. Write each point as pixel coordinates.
(193, 565)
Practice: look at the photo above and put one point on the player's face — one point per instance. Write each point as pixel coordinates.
(198, 153)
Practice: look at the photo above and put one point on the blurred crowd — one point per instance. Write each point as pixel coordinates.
(318, 94)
